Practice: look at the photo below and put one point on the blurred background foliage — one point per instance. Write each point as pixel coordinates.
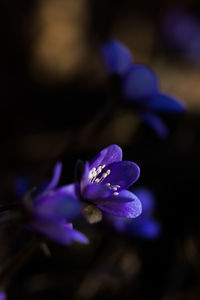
(54, 94)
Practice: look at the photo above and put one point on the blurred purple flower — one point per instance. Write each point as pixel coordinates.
(2, 296)
(140, 87)
(145, 226)
(104, 184)
(116, 56)
(180, 30)
(53, 209)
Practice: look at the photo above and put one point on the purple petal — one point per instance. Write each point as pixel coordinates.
(116, 56)
(139, 83)
(126, 209)
(95, 191)
(77, 236)
(70, 190)
(85, 177)
(147, 199)
(56, 177)
(194, 50)
(2, 295)
(123, 173)
(144, 227)
(58, 232)
(57, 204)
(180, 28)
(106, 156)
(121, 196)
(156, 124)
(68, 225)
(167, 104)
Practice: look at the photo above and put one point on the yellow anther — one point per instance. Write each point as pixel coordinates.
(104, 175)
(99, 169)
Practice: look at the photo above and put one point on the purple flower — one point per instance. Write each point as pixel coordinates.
(104, 182)
(52, 210)
(140, 87)
(180, 31)
(145, 226)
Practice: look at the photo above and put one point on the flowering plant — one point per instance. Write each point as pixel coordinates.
(52, 210)
(139, 87)
(104, 184)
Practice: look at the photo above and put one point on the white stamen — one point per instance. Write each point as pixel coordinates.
(104, 175)
(95, 172)
(99, 169)
(92, 173)
(108, 172)
(108, 184)
(94, 177)
(115, 193)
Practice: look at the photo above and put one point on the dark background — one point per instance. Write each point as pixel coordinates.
(53, 106)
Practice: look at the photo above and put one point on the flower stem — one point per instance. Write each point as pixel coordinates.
(12, 266)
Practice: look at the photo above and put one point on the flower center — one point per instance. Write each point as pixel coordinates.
(97, 176)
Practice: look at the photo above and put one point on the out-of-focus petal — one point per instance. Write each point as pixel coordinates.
(166, 104)
(112, 153)
(147, 199)
(2, 295)
(126, 209)
(144, 227)
(57, 205)
(57, 231)
(193, 51)
(56, 177)
(77, 236)
(116, 56)
(179, 28)
(123, 173)
(156, 124)
(70, 190)
(85, 177)
(139, 84)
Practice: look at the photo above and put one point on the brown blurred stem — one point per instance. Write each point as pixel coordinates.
(16, 262)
